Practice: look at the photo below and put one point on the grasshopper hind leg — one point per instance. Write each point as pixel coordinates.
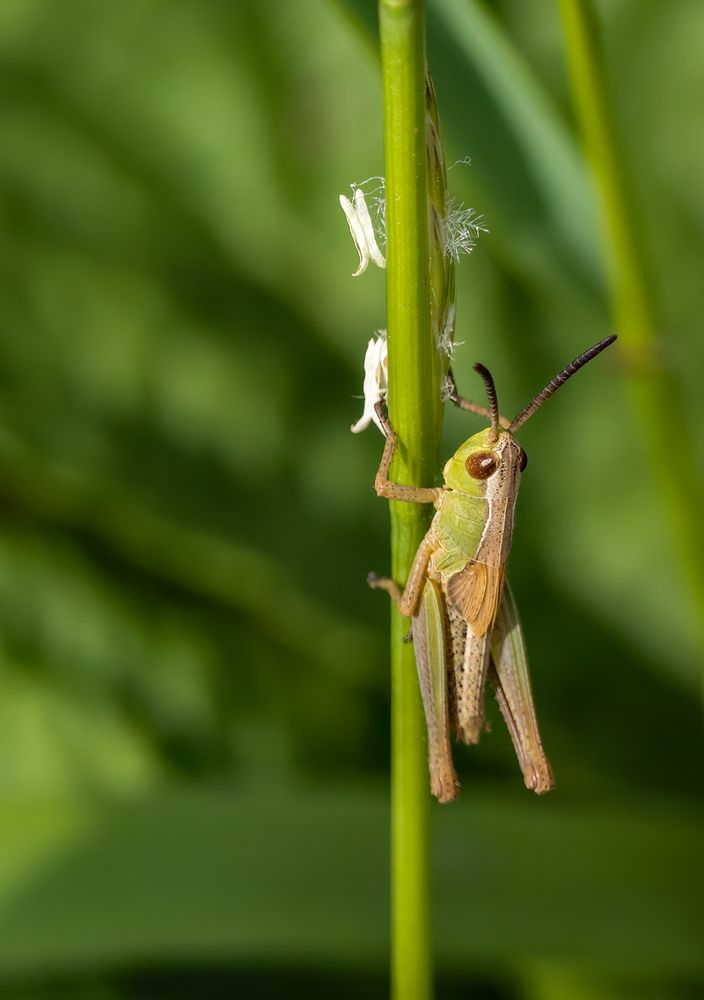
(467, 681)
(457, 628)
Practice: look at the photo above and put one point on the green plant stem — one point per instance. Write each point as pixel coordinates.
(415, 412)
(655, 396)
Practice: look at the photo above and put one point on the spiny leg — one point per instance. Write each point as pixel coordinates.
(457, 637)
(470, 697)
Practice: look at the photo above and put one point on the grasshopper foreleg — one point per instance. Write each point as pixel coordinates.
(397, 491)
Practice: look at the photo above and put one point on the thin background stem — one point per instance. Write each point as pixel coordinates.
(655, 395)
(416, 414)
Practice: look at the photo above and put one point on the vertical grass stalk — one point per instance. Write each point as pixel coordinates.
(655, 397)
(415, 412)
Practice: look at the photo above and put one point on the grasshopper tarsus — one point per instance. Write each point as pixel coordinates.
(451, 386)
(377, 582)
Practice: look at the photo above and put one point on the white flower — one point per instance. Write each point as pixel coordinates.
(375, 381)
(360, 223)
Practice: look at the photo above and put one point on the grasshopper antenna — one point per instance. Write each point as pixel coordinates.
(559, 380)
(491, 396)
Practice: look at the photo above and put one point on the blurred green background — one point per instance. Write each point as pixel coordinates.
(193, 674)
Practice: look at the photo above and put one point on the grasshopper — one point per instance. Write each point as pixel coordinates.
(464, 622)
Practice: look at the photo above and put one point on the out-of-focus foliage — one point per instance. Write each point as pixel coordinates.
(193, 686)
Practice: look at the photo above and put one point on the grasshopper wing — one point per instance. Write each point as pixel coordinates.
(474, 595)
(430, 643)
(476, 591)
(511, 682)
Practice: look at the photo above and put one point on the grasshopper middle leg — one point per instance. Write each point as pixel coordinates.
(408, 601)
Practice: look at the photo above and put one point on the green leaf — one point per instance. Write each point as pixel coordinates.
(299, 875)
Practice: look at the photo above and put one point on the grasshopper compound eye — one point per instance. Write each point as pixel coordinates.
(523, 461)
(482, 464)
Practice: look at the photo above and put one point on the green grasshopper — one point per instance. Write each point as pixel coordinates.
(464, 623)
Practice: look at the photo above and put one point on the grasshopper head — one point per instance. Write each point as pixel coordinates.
(485, 459)
(491, 462)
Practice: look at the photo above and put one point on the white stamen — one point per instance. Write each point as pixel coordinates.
(363, 214)
(463, 228)
(375, 381)
(362, 230)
